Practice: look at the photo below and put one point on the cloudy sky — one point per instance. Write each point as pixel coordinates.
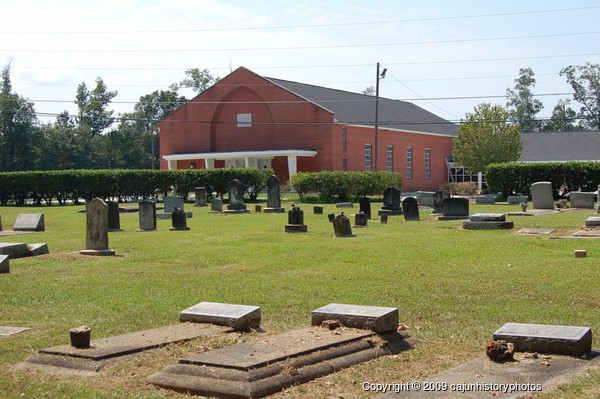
(444, 56)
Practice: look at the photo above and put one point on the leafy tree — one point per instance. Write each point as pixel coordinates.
(487, 136)
(585, 81)
(62, 149)
(198, 80)
(563, 119)
(369, 91)
(19, 134)
(522, 107)
(94, 117)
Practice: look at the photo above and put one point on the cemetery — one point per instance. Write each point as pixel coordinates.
(310, 315)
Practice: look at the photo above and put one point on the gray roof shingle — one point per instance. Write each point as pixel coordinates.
(562, 146)
(359, 109)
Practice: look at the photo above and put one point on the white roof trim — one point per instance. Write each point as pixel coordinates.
(239, 154)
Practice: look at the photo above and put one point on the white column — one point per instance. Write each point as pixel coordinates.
(209, 163)
(292, 164)
(172, 164)
(250, 162)
(479, 180)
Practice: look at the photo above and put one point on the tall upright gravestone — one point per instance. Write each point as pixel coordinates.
(541, 195)
(236, 197)
(410, 207)
(391, 202)
(273, 196)
(200, 193)
(96, 229)
(114, 220)
(365, 206)
(438, 200)
(147, 216)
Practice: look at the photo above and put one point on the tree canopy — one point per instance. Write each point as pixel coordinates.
(522, 107)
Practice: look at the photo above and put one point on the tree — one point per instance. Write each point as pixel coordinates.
(369, 91)
(487, 136)
(93, 116)
(198, 80)
(585, 81)
(563, 119)
(522, 107)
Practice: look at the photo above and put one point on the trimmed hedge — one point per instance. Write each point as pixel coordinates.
(64, 185)
(509, 178)
(344, 186)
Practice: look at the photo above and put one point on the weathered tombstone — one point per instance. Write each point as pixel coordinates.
(438, 199)
(580, 253)
(273, 196)
(374, 318)
(488, 221)
(361, 219)
(383, 219)
(365, 206)
(344, 205)
(516, 199)
(455, 208)
(37, 249)
(179, 220)
(238, 317)
(391, 202)
(96, 237)
(173, 202)
(29, 222)
(80, 336)
(317, 210)
(341, 226)
(236, 197)
(147, 216)
(14, 250)
(331, 216)
(295, 221)
(540, 338)
(425, 198)
(410, 207)
(592, 221)
(216, 205)
(541, 195)
(4, 264)
(582, 200)
(485, 199)
(114, 220)
(258, 208)
(200, 193)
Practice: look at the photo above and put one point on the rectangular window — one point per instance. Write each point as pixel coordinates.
(344, 140)
(244, 120)
(428, 163)
(344, 164)
(368, 157)
(409, 163)
(390, 158)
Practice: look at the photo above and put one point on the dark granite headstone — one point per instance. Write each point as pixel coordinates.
(29, 222)
(4, 264)
(317, 210)
(391, 202)
(455, 208)
(200, 193)
(488, 221)
(179, 220)
(295, 221)
(438, 199)
(96, 238)
(147, 215)
(383, 219)
(273, 196)
(236, 197)
(216, 205)
(361, 219)
(365, 206)
(331, 216)
(410, 207)
(114, 220)
(342, 227)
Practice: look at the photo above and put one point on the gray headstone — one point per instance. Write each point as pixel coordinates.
(559, 340)
(4, 264)
(365, 206)
(541, 195)
(295, 221)
(592, 221)
(14, 250)
(29, 222)
(582, 200)
(147, 216)
(238, 317)
(485, 199)
(425, 198)
(342, 227)
(488, 217)
(96, 236)
(114, 221)
(361, 219)
(455, 207)
(410, 207)
(374, 318)
(438, 199)
(516, 199)
(173, 202)
(317, 210)
(273, 200)
(38, 249)
(179, 220)
(216, 205)
(236, 195)
(344, 205)
(391, 202)
(200, 193)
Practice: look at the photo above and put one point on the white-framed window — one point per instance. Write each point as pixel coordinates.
(428, 163)
(390, 158)
(409, 162)
(344, 140)
(344, 164)
(368, 157)
(244, 120)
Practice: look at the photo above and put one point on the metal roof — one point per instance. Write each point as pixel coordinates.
(562, 146)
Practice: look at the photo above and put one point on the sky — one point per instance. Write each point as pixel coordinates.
(444, 56)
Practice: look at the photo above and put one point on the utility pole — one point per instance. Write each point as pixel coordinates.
(378, 77)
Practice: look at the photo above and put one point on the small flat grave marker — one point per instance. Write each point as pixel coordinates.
(374, 318)
(29, 222)
(8, 331)
(535, 231)
(238, 317)
(488, 221)
(592, 221)
(559, 340)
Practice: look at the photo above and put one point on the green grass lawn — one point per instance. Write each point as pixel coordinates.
(453, 287)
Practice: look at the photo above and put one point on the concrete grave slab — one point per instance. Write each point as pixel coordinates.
(29, 222)
(535, 212)
(587, 233)
(488, 217)
(13, 233)
(484, 225)
(6, 331)
(238, 317)
(14, 250)
(483, 378)
(104, 351)
(541, 338)
(4, 264)
(262, 367)
(374, 318)
(534, 231)
(592, 221)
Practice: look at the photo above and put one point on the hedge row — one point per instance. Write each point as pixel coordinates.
(344, 186)
(509, 178)
(74, 185)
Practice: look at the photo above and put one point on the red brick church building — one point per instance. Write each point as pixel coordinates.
(246, 120)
